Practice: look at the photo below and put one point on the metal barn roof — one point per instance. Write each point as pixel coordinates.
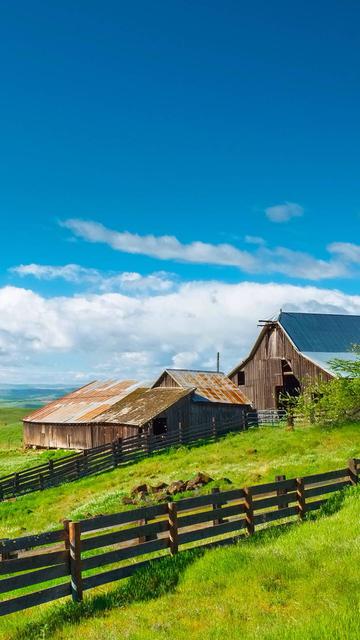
(84, 404)
(142, 405)
(320, 337)
(324, 360)
(321, 332)
(210, 386)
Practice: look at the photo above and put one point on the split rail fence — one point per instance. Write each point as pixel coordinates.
(120, 452)
(71, 560)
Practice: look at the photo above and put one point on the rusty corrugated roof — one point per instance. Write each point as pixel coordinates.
(210, 385)
(142, 405)
(84, 404)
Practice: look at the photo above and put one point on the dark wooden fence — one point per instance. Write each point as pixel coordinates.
(120, 452)
(104, 549)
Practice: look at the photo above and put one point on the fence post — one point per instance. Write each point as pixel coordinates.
(214, 433)
(141, 523)
(51, 471)
(119, 449)
(353, 472)
(7, 555)
(114, 453)
(16, 483)
(216, 521)
(78, 469)
(173, 527)
(300, 490)
(180, 433)
(249, 517)
(281, 492)
(66, 534)
(41, 481)
(75, 561)
(85, 460)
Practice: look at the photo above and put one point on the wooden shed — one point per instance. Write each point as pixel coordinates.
(178, 397)
(64, 423)
(291, 351)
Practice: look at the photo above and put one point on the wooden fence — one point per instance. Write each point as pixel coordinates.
(120, 452)
(72, 559)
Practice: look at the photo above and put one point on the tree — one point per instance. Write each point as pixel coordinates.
(338, 399)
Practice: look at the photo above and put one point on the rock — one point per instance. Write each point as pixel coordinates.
(251, 451)
(202, 478)
(159, 487)
(191, 485)
(164, 497)
(176, 487)
(127, 500)
(140, 488)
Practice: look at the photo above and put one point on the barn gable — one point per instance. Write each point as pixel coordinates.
(292, 349)
(208, 386)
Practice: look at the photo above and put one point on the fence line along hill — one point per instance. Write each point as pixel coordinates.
(72, 559)
(121, 452)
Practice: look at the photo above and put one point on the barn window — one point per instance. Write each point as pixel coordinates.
(241, 378)
(159, 426)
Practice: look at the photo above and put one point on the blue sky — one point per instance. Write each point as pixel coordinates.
(184, 119)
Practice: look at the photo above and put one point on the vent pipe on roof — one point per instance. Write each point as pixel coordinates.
(218, 362)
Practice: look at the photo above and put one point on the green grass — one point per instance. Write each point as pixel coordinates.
(13, 456)
(247, 458)
(261, 588)
(297, 583)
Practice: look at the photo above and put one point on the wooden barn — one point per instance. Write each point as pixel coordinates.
(294, 349)
(95, 415)
(64, 423)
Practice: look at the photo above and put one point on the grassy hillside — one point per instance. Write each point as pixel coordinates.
(12, 455)
(299, 583)
(247, 458)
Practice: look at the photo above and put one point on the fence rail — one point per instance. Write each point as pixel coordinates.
(120, 452)
(103, 549)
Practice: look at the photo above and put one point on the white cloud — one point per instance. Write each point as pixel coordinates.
(346, 251)
(79, 338)
(263, 260)
(185, 360)
(76, 274)
(69, 272)
(255, 240)
(162, 247)
(284, 212)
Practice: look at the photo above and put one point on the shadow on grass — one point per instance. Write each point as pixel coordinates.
(155, 580)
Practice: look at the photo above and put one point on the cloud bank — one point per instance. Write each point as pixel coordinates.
(102, 281)
(82, 337)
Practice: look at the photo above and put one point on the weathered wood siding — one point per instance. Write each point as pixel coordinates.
(73, 436)
(86, 436)
(263, 372)
(205, 412)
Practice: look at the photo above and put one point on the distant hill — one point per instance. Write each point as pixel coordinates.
(29, 396)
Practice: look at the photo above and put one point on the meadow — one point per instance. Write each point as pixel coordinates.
(12, 454)
(298, 582)
(246, 458)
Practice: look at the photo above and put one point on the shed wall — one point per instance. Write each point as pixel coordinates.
(73, 436)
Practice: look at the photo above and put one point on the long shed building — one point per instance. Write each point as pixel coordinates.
(101, 412)
(292, 350)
